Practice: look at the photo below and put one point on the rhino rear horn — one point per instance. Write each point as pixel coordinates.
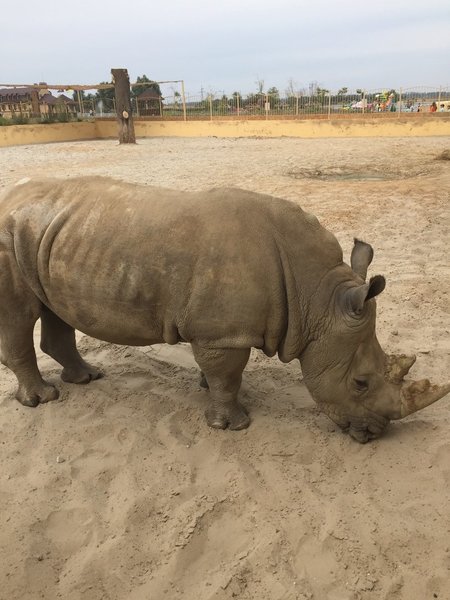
(397, 366)
(362, 255)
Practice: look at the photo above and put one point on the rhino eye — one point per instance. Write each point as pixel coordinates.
(361, 384)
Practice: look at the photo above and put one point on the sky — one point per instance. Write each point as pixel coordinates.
(229, 45)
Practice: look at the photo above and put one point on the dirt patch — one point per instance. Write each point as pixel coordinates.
(364, 173)
(120, 491)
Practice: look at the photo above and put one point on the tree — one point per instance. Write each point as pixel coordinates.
(313, 86)
(274, 97)
(343, 91)
(292, 88)
(321, 92)
(84, 102)
(153, 86)
(236, 100)
(273, 91)
(106, 97)
(260, 85)
(224, 103)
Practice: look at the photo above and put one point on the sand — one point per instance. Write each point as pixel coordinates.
(120, 491)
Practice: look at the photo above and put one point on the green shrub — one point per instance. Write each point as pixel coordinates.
(63, 117)
(46, 119)
(19, 120)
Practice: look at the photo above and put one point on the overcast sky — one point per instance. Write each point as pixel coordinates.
(231, 44)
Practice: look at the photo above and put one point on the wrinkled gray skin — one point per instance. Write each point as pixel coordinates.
(225, 270)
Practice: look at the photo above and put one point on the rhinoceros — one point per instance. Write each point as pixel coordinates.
(225, 270)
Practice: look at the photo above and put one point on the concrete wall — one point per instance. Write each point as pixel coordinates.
(367, 127)
(12, 135)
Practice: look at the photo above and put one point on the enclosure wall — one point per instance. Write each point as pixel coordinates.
(12, 135)
(392, 127)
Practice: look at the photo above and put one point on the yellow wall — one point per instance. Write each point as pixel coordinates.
(11, 135)
(367, 127)
(390, 127)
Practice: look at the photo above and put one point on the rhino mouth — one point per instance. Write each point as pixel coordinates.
(364, 434)
(362, 428)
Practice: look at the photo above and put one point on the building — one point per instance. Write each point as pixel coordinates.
(149, 103)
(29, 102)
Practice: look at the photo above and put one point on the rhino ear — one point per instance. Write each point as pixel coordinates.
(362, 255)
(355, 297)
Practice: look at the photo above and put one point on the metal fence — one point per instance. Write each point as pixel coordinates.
(322, 105)
(171, 103)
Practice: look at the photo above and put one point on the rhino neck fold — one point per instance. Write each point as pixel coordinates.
(308, 304)
(296, 336)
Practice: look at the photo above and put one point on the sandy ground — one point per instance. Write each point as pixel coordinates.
(120, 491)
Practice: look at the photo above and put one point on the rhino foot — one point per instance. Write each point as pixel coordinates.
(80, 374)
(234, 416)
(39, 395)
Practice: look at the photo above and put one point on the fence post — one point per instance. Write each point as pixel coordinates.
(363, 101)
(183, 99)
(137, 106)
(329, 105)
(266, 105)
(210, 107)
(296, 104)
(439, 97)
(82, 102)
(79, 101)
(237, 103)
(399, 103)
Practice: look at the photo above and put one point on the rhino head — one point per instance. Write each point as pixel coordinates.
(349, 376)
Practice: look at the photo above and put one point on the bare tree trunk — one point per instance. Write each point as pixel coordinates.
(123, 106)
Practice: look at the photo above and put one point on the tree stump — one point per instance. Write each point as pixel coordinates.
(125, 123)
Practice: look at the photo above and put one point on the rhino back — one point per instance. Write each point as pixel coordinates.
(140, 265)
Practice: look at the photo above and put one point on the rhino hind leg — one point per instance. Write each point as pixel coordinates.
(19, 311)
(58, 341)
(222, 372)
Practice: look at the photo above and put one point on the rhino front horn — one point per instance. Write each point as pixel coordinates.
(418, 395)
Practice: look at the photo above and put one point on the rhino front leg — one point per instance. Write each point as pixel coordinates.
(203, 383)
(222, 370)
(58, 341)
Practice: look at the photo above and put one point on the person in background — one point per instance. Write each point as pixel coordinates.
(433, 107)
